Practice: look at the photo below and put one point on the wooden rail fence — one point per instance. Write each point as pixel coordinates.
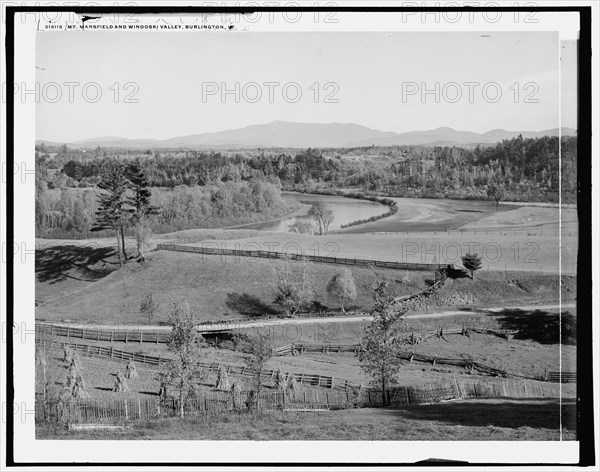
(411, 356)
(561, 377)
(313, 258)
(315, 380)
(98, 334)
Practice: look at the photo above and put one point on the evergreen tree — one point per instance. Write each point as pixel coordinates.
(472, 262)
(114, 210)
(140, 202)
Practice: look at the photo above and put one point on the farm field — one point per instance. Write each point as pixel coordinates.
(471, 420)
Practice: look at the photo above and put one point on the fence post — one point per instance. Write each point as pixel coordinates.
(458, 394)
(332, 379)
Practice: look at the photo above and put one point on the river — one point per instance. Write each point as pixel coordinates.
(345, 211)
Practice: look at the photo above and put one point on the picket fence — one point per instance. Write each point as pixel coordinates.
(461, 389)
(313, 258)
(86, 411)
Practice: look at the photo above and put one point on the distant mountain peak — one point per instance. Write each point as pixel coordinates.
(289, 134)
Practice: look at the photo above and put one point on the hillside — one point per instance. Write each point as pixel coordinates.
(228, 287)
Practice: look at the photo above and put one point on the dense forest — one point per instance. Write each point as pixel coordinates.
(195, 189)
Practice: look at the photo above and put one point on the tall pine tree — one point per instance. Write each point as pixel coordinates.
(114, 210)
(140, 202)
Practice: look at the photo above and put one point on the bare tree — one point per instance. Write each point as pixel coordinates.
(185, 343)
(261, 348)
(379, 348)
(149, 308)
(342, 287)
(294, 285)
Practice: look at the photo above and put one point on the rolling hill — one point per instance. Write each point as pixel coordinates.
(285, 134)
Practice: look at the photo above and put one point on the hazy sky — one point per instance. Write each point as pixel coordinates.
(174, 71)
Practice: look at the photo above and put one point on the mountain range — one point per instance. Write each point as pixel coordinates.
(285, 134)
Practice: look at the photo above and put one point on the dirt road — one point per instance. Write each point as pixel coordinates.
(204, 328)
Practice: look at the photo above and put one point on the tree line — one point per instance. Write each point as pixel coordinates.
(67, 212)
(525, 169)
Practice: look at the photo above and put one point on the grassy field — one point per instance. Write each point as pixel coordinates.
(523, 250)
(228, 287)
(472, 420)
